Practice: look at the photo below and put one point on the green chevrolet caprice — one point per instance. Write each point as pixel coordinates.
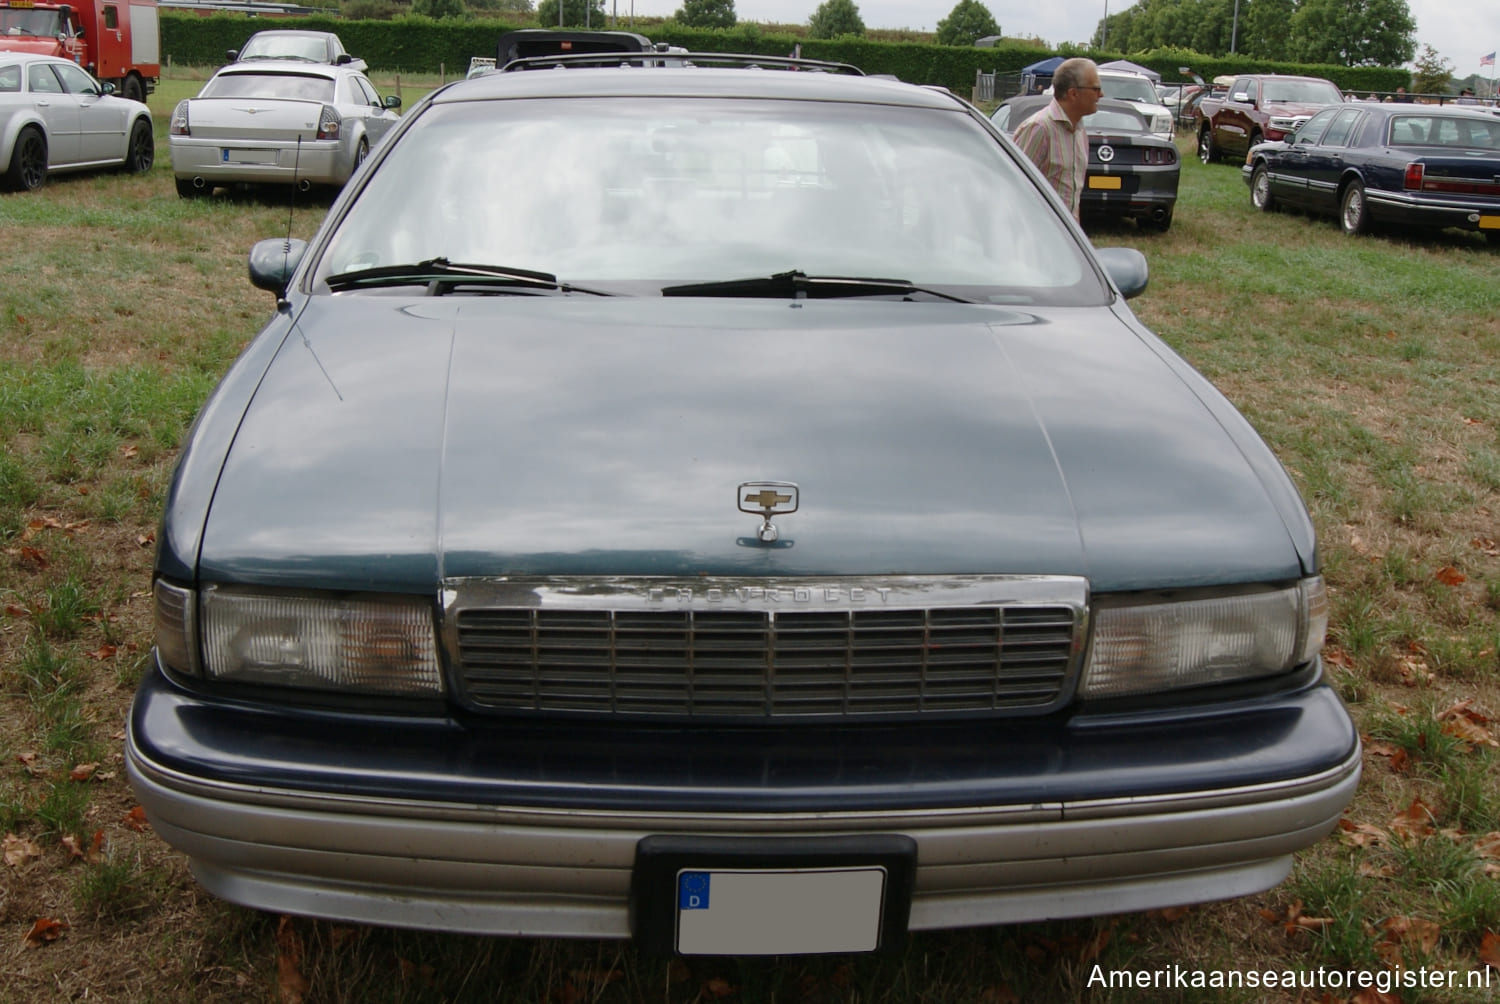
(729, 508)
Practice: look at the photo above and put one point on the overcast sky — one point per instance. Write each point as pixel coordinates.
(1460, 30)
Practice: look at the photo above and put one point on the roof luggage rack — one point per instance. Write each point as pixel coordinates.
(679, 57)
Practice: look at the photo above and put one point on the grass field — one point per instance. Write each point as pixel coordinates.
(1371, 365)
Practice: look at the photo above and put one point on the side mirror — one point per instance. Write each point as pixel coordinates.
(106, 88)
(392, 101)
(1126, 268)
(1240, 96)
(231, 55)
(273, 261)
(342, 58)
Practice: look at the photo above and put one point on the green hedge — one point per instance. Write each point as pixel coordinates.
(422, 45)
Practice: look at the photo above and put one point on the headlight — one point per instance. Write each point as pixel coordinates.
(363, 644)
(1145, 647)
(1286, 123)
(1161, 123)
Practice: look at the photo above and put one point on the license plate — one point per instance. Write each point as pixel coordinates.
(1104, 181)
(1489, 223)
(707, 895)
(758, 912)
(230, 156)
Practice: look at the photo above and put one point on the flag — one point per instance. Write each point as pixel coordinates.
(1487, 60)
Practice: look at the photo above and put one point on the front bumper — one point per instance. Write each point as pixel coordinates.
(433, 823)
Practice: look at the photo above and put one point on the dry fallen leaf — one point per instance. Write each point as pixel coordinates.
(1412, 931)
(82, 772)
(1361, 834)
(1369, 870)
(15, 610)
(1414, 822)
(291, 985)
(1489, 949)
(129, 451)
(103, 652)
(136, 819)
(19, 850)
(1450, 576)
(1488, 846)
(1338, 657)
(44, 930)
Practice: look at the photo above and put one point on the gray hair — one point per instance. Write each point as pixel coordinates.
(1070, 74)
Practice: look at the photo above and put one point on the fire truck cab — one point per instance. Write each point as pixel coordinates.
(118, 41)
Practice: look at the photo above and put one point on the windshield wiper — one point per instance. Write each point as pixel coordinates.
(796, 283)
(442, 276)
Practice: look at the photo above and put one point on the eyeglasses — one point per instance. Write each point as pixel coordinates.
(1095, 88)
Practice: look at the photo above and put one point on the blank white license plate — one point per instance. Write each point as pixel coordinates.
(232, 156)
(793, 912)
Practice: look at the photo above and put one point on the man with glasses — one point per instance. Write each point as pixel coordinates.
(1054, 138)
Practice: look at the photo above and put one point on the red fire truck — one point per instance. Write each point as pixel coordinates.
(118, 41)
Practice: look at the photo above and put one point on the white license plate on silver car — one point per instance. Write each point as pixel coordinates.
(798, 911)
(231, 155)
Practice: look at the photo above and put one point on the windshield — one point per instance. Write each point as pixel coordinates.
(1128, 88)
(679, 190)
(1301, 92)
(264, 46)
(15, 21)
(269, 85)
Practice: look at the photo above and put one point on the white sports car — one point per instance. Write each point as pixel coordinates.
(304, 124)
(54, 116)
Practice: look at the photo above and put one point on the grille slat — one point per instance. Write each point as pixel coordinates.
(764, 664)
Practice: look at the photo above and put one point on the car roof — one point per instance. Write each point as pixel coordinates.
(693, 81)
(31, 57)
(261, 67)
(1026, 105)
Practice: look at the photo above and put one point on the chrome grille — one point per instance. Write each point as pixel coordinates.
(624, 656)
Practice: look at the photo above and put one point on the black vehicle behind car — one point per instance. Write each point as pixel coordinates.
(1132, 173)
(1403, 165)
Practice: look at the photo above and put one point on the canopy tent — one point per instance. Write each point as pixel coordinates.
(1038, 76)
(1125, 64)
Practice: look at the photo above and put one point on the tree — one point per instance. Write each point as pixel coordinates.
(1266, 28)
(523, 7)
(834, 18)
(1354, 32)
(706, 14)
(438, 8)
(966, 23)
(576, 13)
(1433, 73)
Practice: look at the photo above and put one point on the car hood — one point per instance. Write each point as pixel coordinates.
(394, 442)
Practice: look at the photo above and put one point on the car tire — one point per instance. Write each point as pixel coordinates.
(1256, 137)
(28, 161)
(134, 90)
(187, 190)
(1208, 150)
(1354, 214)
(360, 153)
(1260, 189)
(140, 154)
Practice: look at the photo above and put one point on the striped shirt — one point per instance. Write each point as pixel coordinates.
(1059, 148)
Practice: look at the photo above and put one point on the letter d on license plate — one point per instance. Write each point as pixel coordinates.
(705, 895)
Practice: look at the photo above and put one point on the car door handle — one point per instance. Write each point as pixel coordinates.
(43, 104)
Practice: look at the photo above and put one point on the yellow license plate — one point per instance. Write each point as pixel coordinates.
(1110, 181)
(1489, 223)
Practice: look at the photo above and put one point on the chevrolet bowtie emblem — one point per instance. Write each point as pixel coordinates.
(766, 499)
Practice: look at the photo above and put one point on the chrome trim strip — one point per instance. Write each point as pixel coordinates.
(250, 795)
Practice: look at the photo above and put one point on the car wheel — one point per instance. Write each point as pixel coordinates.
(187, 190)
(28, 161)
(1354, 217)
(141, 153)
(1208, 150)
(1260, 189)
(133, 91)
(1256, 137)
(361, 152)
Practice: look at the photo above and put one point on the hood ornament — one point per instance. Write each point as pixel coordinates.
(766, 499)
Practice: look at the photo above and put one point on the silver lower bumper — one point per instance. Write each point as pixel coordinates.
(560, 873)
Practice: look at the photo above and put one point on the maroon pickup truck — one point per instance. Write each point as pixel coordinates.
(1258, 107)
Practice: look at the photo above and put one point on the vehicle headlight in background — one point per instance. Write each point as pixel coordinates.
(1145, 647)
(363, 644)
(1161, 123)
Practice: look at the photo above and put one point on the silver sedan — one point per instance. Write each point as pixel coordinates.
(256, 123)
(54, 116)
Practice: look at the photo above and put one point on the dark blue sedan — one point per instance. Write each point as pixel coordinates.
(1368, 164)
